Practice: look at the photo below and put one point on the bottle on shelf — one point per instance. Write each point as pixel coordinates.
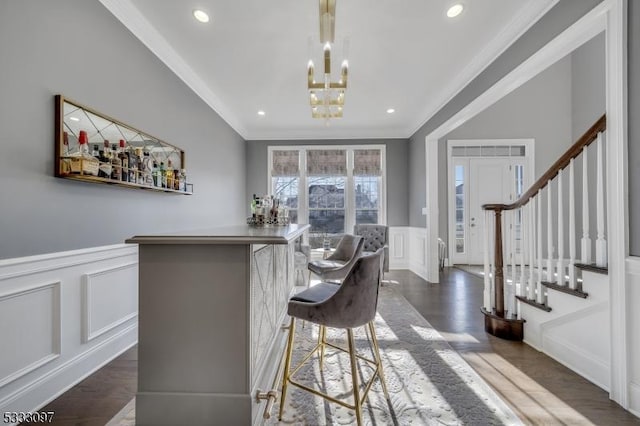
(105, 161)
(253, 206)
(155, 175)
(183, 180)
(124, 162)
(116, 165)
(82, 162)
(147, 169)
(162, 175)
(176, 179)
(133, 165)
(169, 173)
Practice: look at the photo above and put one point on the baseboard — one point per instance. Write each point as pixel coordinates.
(595, 370)
(82, 308)
(634, 398)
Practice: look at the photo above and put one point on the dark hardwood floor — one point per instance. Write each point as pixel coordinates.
(540, 390)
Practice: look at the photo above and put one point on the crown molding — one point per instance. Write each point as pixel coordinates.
(333, 133)
(509, 34)
(140, 27)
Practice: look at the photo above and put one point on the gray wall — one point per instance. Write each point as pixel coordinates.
(634, 126)
(397, 171)
(561, 16)
(77, 48)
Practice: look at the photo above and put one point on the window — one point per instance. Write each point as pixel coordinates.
(459, 182)
(285, 180)
(330, 187)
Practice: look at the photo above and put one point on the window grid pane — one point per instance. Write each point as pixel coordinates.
(459, 208)
(326, 203)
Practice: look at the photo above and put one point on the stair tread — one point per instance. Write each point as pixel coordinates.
(565, 289)
(592, 268)
(534, 303)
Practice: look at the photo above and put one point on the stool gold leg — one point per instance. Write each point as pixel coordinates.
(322, 334)
(354, 376)
(287, 365)
(378, 359)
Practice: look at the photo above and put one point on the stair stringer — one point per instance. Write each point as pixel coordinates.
(576, 331)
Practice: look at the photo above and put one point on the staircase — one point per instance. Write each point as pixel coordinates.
(542, 285)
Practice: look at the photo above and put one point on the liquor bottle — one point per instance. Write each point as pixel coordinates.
(183, 180)
(155, 175)
(116, 164)
(146, 160)
(162, 176)
(124, 162)
(82, 162)
(176, 179)
(133, 165)
(105, 161)
(169, 173)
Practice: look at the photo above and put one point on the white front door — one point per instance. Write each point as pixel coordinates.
(474, 182)
(490, 182)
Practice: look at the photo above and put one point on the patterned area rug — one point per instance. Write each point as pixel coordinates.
(428, 382)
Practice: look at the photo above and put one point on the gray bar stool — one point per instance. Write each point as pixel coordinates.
(350, 305)
(336, 266)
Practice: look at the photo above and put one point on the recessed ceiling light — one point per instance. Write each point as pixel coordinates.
(391, 111)
(74, 119)
(261, 113)
(455, 10)
(201, 16)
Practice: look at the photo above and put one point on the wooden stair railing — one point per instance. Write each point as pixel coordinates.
(502, 316)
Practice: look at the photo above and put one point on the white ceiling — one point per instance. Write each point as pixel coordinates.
(253, 54)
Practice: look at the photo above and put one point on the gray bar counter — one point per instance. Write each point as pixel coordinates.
(211, 311)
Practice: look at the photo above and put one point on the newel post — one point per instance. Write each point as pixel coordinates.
(495, 320)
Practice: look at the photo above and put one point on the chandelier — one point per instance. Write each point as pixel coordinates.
(326, 97)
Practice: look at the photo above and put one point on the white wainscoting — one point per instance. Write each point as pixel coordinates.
(633, 325)
(62, 316)
(407, 249)
(399, 247)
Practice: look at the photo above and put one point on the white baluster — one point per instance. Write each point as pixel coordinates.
(514, 274)
(524, 245)
(539, 298)
(601, 243)
(487, 282)
(550, 276)
(560, 269)
(532, 248)
(585, 242)
(523, 253)
(572, 226)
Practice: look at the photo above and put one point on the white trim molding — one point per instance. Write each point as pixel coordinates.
(68, 334)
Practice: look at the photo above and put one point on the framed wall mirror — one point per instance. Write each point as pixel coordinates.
(92, 147)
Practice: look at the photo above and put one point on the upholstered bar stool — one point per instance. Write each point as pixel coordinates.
(336, 266)
(375, 237)
(347, 306)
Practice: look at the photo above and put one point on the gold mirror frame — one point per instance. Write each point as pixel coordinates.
(93, 147)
